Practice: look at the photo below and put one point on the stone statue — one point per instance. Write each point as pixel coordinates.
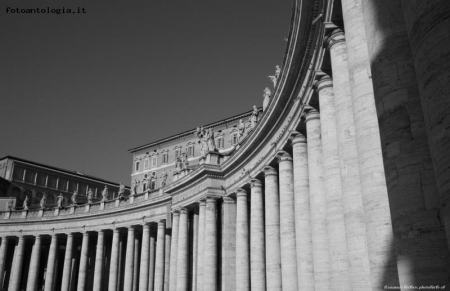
(121, 192)
(254, 117)
(274, 78)
(134, 188)
(277, 71)
(10, 204)
(74, 197)
(184, 161)
(25, 203)
(241, 128)
(105, 194)
(89, 196)
(267, 95)
(152, 181)
(202, 140)
(210, 140)
(42, 202)
(60, 200)
(163, 178)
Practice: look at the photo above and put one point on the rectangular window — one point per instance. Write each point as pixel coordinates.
(235, 139)
(165, 158)
(82, 188)
(146, 162)
(62, 184)
(18, 173)
(41, 177)
(136, 167)
(177, 153)
(29, 176)
(190, 151)
(154, 161)
(73, 186)
(219, 143)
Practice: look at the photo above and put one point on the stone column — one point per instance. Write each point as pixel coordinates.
(35, 261)
(16, 268)
(287, 223)
(257, 251)
(3, 251)
(174, 251)
(182, 253)
(129, 261)
(201, 243)
(303, 230)
(51, 264)
(159, 264)
(210, 255)
(136, 264)
(195, 250)
(413, 194)
(318, 204)
(168, 243)
(355, 226)
(67, 264)
(114, 266)
(337, 241)
(242, 242)
(373, 183)
(145, 252)
(151, 268)
(228, 244)
(99, 257)
(82, 273)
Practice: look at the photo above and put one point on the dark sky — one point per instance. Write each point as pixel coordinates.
(79, 90)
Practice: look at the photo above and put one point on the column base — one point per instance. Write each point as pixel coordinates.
(24, 213)
(87, 208)
(131, 198)
(41, 213)
(102, 205)
(117, 202)
(56, 212)
(72, 209)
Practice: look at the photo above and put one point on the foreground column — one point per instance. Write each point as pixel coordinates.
(174, 251)
(195, 250)
(242, 242)
(151, 275)
(272, 225)
(159, 264)
(257, 251)
(355, 227)
(34, 265)
(136, 264)
(67, 264)
(3, 251)
(51, 264)
(287, 223)
(114, 266)
(16, 268)
(182, 253)
(99, 256)
(82, 273)
(210, 259)
(167, 243)
(201, 243)
(129, 261)
(145, 251)
(228, 244)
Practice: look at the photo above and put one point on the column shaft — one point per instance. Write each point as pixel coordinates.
(159, 264)
(210, 256)
(151, 267)
(99, 257)
(33, 271)
(145, 253)
(242, 242)
(168, 243)
(82, 273)
(136, 264)
(129, 260)
(3, 252)
(287, 223)
(174, 251)
(195, 250)
(16, 268)
(182, 253)
(201, 244)
(51, 264)
(257, 251)
(228, 244)
(67, 264)
(114, 266)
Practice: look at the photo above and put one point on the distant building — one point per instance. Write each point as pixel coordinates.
(20, 178)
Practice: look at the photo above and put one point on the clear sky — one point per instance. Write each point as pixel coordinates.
(77, 91)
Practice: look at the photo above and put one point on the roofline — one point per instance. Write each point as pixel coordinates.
(74, 173)
(185, 133)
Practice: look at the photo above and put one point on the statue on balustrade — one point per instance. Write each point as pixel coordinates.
(10, 204)
(121, 192)
(274, 78)
(152, 181)
(89, 197)
(25, 203)
(60, 200)
(267, 95)
(254, 117)
(207, 141)
(73, 199)
(42, 202)
(241, 128)
(184, 161)
(135, 186)
(164, 178)
(105, 194)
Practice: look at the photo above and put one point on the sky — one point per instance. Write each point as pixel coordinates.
(77, 91)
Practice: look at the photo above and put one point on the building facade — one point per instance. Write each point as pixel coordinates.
(342, 183)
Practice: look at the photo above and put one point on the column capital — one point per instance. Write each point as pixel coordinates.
(268, 170)
(241, 192)
(202, 202)
(211, 199)
(176, 212)
(255, 183)
(283, 156)
(324, 82)
(184, 210)
(334, 37)
(297, 137)
(162, 222)
(228, 200)
(312, 114)
(146, 225)
(101, 231)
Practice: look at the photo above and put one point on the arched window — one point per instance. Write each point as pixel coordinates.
(15, 192)
(50, 199)
(38, 198)
(27, 193)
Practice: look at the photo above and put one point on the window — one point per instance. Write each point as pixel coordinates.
(29, 176)
(177, 153)
(219, 143)
(52, 182)
(62, 184)
(136, 167)
(235, 138)
(165, 158)
(190, 151)
(154, 161)
(41, 177)
(18, 173)
(146, 164)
